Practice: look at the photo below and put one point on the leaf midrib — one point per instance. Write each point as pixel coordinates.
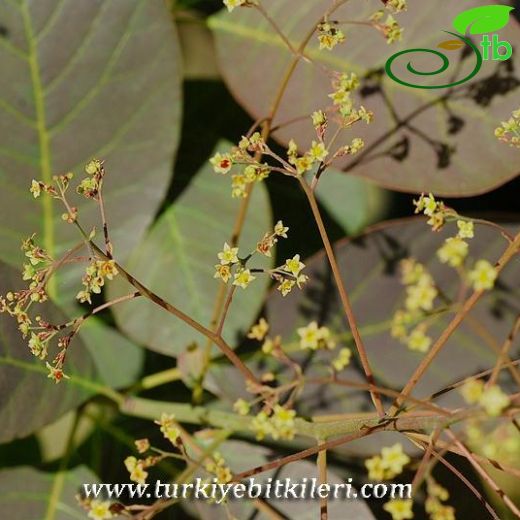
(43, 138)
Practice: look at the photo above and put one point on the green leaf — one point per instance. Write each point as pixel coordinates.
(481, 20)
(27, 493)
(62, 104)
(177, 258)
(353, 202)
(29, 399)
(444, 142)
(118, 360)
(98, 79)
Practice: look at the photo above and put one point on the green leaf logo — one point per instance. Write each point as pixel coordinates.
(481, 20)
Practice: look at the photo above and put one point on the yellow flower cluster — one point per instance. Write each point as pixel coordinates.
(289, 275)
(420, 296)
(169, 428)
(94, 278)
(316, 154)
(434, 502)
(279, 424)
(390, 29)
(389, 464)
(90, 186)
(218, 467)
(492, 399)
(243, 154)
(435, 210)
(136, 468)
(329, 36)
(509, 132)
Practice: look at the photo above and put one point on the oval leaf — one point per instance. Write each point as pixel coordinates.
(81, 80)
(177, 258)
(449, 133)
(484, 19)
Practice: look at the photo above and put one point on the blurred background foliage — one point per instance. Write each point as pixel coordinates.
(157, 197)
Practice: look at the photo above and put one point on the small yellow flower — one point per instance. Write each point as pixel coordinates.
(169, 427)
(56, 374)
(138, 474)
(483, 276)
(229, 255)
(222, 163)
(130, 463)
(107, 269)
(35, 189)
(376, 470)
(399, 322)
(286, 286)
(494, 400)
(280, 230)
(466, 229)
(282, 422)
(400, 509)
(303, 164)
(356, 145)
(453, 252)
(261, 426)
(472, 390)
(411, 271)
(309, 336)
(314, 337)
(259, 330)
(239, 186)
(99, 510)
(340, 97)
(329, 36)
(391, 30)
(420, 296)
(241, 407)
(394, 459)
(418, 341)
(142, 445)
(319, 118)
(342, 360)
(426, 204)
(293, 265)
(243, 278)
(318, 151)
(365, 115)
(223, 272)
(269, 345)
(93, 167)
